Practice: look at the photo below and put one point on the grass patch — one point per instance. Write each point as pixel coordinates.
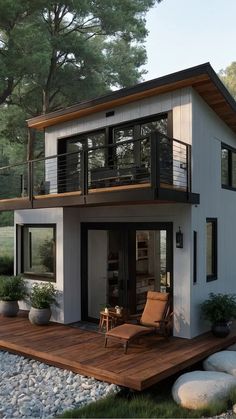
(156, 403)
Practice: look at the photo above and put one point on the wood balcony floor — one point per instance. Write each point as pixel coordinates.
(146, 363)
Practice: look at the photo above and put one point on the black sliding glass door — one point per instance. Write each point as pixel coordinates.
(122, 262)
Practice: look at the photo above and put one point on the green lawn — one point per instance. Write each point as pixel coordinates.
(155, 403)
(7, 241)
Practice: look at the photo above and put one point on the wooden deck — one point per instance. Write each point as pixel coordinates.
(145, 364)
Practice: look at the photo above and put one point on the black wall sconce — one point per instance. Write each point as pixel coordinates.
(179, 239)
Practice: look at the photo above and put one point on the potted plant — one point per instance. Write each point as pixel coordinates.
(12, 290)
(42, 297)
(220, 309)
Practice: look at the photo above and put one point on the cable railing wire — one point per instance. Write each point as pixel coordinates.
(126, 162)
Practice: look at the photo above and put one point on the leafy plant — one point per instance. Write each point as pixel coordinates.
(43, 295)
(12, 288)
(6, 265)
(219, 307)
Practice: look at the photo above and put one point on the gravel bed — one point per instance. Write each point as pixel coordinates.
(29, 388)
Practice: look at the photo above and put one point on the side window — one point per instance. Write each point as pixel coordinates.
(211, 249)
(228, 167)
(38, 250)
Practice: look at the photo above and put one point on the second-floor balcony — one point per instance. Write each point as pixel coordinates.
(151, 168)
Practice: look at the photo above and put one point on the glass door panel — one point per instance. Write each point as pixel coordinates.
(97, 271)
(106, 285)
(151, 264)
(123, 264)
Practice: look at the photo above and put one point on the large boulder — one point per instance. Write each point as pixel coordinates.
(199, 389)
(232, 347)
(224, 361)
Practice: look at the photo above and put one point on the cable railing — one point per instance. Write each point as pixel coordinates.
(154, 161)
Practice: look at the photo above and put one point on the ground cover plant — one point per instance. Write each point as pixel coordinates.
(156, 402)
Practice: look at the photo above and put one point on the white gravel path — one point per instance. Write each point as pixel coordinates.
(30, 388)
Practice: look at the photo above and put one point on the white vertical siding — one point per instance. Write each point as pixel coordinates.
(208, 133)
(178, 101)
(71, 263)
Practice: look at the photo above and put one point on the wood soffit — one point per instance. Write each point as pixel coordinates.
(202, 78)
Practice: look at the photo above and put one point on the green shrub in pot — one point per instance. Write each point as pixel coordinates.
(42, 297)
(12, 290)
(220, 309)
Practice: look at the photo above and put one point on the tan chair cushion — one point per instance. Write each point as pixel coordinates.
(128, 331)
(154, 309)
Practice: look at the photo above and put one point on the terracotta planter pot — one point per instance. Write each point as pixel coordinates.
(9, 308)
(39, 316)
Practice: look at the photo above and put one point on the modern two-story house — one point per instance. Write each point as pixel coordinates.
(137, 192)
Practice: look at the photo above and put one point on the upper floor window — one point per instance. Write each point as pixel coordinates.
(137, 153)
(228, 167)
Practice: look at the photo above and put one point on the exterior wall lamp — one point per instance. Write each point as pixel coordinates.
(179, 239)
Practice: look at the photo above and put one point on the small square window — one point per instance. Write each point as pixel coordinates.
(228, 167)
(39, 251)
(225, 167)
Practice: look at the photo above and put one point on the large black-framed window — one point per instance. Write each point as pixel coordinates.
(228, 167)
(211, 249)
(103, 162)
(38, 251)
(138, 153)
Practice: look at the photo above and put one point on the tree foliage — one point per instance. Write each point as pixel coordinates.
(56, 53)
(228, 76)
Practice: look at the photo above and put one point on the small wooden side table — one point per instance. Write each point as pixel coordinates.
(109, 319)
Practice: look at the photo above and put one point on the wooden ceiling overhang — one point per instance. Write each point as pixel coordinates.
(202, 78)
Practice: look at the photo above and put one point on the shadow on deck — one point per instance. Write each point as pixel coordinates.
(83, 352)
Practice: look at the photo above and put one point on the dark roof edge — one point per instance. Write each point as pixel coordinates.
(205, 68)
(222, 88)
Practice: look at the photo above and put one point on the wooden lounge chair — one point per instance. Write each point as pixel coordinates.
(156, 317)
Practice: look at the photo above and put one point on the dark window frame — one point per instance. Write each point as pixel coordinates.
(214, 249)
(35, 275)
(230, 150)
(195, 257)
(108, 130)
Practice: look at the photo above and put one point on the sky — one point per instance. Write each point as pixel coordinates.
(185, 33)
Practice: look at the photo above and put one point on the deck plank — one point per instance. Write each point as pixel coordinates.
(80, 351)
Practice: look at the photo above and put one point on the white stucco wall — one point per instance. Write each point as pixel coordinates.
(208, 133)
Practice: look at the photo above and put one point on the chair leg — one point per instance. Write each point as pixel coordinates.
(105, 344)
(125, 347)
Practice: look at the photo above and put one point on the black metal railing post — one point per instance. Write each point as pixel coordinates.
(189, 169)
(155, 161)
(84, 172)
(30, 181)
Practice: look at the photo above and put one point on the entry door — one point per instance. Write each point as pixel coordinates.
(121, 264)
(153, 264)
(107, 271)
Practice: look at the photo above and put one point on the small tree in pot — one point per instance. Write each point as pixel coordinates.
(42, 297)
(12, 290)
(220, 309)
